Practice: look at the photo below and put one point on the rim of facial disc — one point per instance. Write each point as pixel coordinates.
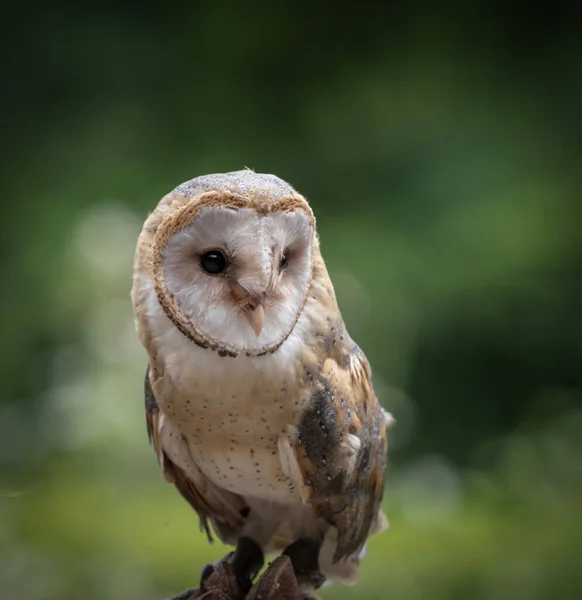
(184, 216)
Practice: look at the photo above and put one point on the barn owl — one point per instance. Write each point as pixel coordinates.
(258, 403)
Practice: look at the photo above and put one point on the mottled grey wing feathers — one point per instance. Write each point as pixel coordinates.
(341, 446)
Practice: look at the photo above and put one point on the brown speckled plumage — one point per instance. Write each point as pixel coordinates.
(279, 441)
(345, 486)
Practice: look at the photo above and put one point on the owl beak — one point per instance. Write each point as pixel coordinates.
(255, 313)
(252, 306)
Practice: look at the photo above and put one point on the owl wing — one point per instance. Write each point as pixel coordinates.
(224, 510)
(336, 453)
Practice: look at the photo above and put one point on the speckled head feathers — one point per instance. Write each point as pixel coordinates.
(244, 183)
(262, 229)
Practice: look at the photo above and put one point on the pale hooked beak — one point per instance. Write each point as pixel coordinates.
(252, 306)
(255, 313)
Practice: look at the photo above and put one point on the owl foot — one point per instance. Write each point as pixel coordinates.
(278, 582)
(304, 555)
(246, 561)
(217, 582)
(231, 577)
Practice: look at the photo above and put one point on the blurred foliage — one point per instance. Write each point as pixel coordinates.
(439, 145)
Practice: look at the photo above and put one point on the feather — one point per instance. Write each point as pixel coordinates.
(341, 445)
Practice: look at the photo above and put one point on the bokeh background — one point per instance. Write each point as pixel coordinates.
(440, 146)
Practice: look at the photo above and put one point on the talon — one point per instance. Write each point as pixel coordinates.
(278, 582)
(217, 581)
(304, 555)
(246, 561)
(207, 571)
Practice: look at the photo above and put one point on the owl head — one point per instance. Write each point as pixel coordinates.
(229, 257)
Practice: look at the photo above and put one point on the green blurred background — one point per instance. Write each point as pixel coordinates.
(440, 146)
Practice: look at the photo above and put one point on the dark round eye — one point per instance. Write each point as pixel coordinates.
(284, 258)
(213, 262)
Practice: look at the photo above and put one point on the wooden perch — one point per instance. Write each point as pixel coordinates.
(218, 582)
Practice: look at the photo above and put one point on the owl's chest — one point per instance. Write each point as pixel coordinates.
(231, 421)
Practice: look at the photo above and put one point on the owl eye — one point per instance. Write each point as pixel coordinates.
(213, 262)
(284, 258)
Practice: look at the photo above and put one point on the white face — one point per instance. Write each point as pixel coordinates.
(238, 277)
